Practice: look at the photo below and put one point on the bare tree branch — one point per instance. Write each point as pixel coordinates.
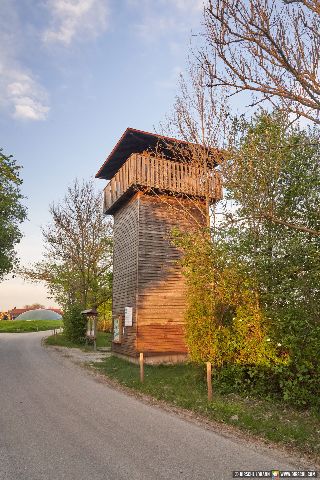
(267, 47)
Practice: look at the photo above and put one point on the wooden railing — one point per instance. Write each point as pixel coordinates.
(162, 175)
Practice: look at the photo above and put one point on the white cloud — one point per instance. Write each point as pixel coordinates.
(71, 19)
(20, 93)
(31, 110)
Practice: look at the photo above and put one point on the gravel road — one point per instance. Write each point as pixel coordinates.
(58, 422)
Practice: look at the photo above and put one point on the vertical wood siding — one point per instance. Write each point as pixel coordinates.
(125, 265)
(147, 273)
(161, 285)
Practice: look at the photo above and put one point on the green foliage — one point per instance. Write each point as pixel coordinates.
(253, 288)
(292, 383)
(74, 323)
(224, 321)
(105, 316)
(273, 178)
(12, 212)
(77, 262)
(60, 340)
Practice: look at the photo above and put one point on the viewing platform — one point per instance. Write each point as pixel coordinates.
(142, 171)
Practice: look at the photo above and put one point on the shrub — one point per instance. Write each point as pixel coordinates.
(224, 321)
(292, 384)
(74, 323)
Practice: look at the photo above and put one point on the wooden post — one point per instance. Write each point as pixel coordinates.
(94, 333)
(209, 382)
(141, 368)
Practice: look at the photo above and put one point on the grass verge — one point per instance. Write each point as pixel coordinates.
(184, 385)
(60, 340)
(18, 326)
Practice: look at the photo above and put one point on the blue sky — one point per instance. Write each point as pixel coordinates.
(73, 75)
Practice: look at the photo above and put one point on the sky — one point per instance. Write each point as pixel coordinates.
(74, 74)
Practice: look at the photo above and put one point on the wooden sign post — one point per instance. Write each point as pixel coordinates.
(209, 381)
(94, 333)
(141, 368)
(91, 333)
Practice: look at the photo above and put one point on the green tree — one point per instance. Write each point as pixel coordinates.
(34, 306)
(12, 212)
(253, 287)
(78, 250)
(272, 178)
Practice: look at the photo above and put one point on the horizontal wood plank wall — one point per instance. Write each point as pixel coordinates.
(125, 257)
(161, 285)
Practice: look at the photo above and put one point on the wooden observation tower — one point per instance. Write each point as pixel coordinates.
(149, 195)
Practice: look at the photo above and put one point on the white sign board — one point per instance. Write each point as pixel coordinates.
(128, 316)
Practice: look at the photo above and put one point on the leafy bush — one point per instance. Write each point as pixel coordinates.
(224, 321)
(226, 325)
(294, 385)
(74, 323)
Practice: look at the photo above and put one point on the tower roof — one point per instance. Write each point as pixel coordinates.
(135, 141)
